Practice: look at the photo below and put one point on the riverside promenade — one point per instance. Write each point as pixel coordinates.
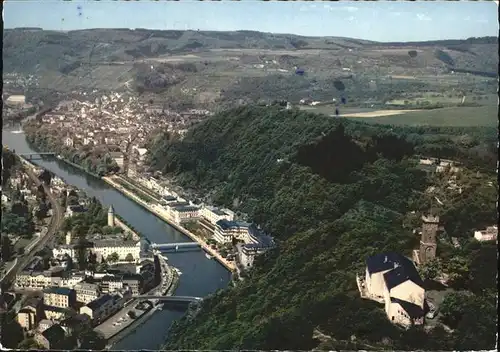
(161, 213)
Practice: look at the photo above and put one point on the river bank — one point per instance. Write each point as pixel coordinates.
(78, 167)
(160, 214)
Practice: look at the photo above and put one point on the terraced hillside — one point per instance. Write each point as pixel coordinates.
(203, 67)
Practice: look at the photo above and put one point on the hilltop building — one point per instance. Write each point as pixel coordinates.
(490, 234)
(392, 279)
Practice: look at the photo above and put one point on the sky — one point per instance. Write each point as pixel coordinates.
(379, 21)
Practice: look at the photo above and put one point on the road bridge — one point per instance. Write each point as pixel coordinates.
(186, 299)
(175, 245)
(31, 156)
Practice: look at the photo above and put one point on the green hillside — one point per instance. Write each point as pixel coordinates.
(212, 69)
(332, 192)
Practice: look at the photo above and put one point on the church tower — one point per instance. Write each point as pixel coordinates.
(111, 216)
(428, 244)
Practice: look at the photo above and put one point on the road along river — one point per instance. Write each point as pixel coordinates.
(199, 275)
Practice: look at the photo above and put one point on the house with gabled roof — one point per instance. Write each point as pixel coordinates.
(51, 338)
(393, 279)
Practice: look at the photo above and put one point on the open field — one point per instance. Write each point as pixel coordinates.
(458, 116)
(330, 109)
(379, 113)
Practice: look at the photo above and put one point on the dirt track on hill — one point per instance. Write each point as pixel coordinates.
(379, 113)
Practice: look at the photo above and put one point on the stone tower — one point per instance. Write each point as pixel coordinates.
(428, 244)
(111, 216)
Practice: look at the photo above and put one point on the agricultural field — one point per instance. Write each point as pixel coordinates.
(457, 116)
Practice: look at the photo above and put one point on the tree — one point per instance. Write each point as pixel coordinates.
(107, 230)
(430, 270)
(131, 314)
(458, 270)
(41, 211)
(113, 257)
(7, 248)
(129, 258)
(91, 340)
(29, 344)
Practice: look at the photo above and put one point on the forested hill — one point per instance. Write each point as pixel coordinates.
(332, 192)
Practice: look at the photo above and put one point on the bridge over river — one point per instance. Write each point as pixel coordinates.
(186, 299)
(32, 156)
(176, 246)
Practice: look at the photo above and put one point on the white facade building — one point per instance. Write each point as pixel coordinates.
(103, 248)
(182, 214)
(225, 231)
(490, 234)
(212, 215)
(392, 279)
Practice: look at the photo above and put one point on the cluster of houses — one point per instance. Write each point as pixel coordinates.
(59, 312)
(87, 297)
(120, 123)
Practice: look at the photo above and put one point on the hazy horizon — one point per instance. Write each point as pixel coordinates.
(382, 21)
(237, 30)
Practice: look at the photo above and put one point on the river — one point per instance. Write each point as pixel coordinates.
(200, 276)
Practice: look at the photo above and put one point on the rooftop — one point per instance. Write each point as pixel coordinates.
(114, 243)
(58, 290)
(402, 274)
(54, 309)
(54, 334)
(183, 208)
(226, 224)
(97, 303)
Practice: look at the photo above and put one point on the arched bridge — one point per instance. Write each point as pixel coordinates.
(186, 299)
(175, 245)
(31, 156)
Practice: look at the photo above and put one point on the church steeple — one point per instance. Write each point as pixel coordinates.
(111, 216)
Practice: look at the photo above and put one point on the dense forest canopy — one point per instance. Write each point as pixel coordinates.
(332, 192)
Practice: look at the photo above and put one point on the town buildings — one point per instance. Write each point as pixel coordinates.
(100, 309)
(61, 297)
(51, 337)
(226, 230)
(86, 292)
(105, 247)
(39, 279)
(30, 314)
(184, 213)
(212, 215)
